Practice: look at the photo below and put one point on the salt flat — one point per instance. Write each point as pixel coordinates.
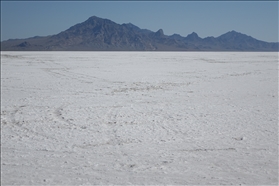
(74, 118)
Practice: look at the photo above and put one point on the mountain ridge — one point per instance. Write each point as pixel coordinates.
(98, 34)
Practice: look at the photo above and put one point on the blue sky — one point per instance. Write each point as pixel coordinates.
(22, 19)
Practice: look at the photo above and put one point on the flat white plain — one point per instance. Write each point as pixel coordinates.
(74, 118)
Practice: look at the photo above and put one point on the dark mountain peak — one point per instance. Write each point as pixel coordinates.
(193, 37)
(176, 36)
(233, 32)
(234, 36)
(159, 33)
(194, 34)
(94, 20)
(93, 17)
(91, 26)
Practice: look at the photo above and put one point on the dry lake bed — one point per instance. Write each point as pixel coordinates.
(134, 118)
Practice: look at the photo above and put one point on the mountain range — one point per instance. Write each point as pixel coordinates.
(97, 34)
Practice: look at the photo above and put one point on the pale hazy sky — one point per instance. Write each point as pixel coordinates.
(23, 19)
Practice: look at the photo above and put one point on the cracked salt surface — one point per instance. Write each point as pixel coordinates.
(72, 118)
